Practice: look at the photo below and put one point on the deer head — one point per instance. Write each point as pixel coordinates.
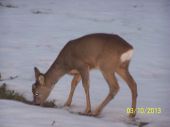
(40, 89)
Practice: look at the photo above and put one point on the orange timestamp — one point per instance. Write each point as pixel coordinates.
(142, 110)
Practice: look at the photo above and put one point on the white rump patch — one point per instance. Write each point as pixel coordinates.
(126, 56)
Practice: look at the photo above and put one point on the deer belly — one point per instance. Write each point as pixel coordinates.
(73, 72)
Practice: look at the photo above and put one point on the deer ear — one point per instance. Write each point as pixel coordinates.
(37, 73)
(41, 79)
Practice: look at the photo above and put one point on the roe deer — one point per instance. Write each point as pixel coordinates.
(109, 53)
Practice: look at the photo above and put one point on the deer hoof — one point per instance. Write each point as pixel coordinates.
(67, 104)
(131, 115)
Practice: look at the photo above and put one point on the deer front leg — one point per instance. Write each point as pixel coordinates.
(75, 81)
(85, 81)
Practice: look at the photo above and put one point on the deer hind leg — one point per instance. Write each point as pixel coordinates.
(124, 73)
(113, 89)
(75, 81)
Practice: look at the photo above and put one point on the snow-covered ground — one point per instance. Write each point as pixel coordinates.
(32, 32)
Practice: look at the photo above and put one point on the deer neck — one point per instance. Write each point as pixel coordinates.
(54, 73)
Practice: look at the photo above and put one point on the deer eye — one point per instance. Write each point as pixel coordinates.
(36, 94)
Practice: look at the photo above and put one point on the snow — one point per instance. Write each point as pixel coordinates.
(33, 32)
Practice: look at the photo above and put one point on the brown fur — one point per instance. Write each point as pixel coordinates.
(101, 51)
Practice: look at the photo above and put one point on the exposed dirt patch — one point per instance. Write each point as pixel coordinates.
(5, 93)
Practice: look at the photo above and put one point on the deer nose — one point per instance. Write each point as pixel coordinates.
(35, 102)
